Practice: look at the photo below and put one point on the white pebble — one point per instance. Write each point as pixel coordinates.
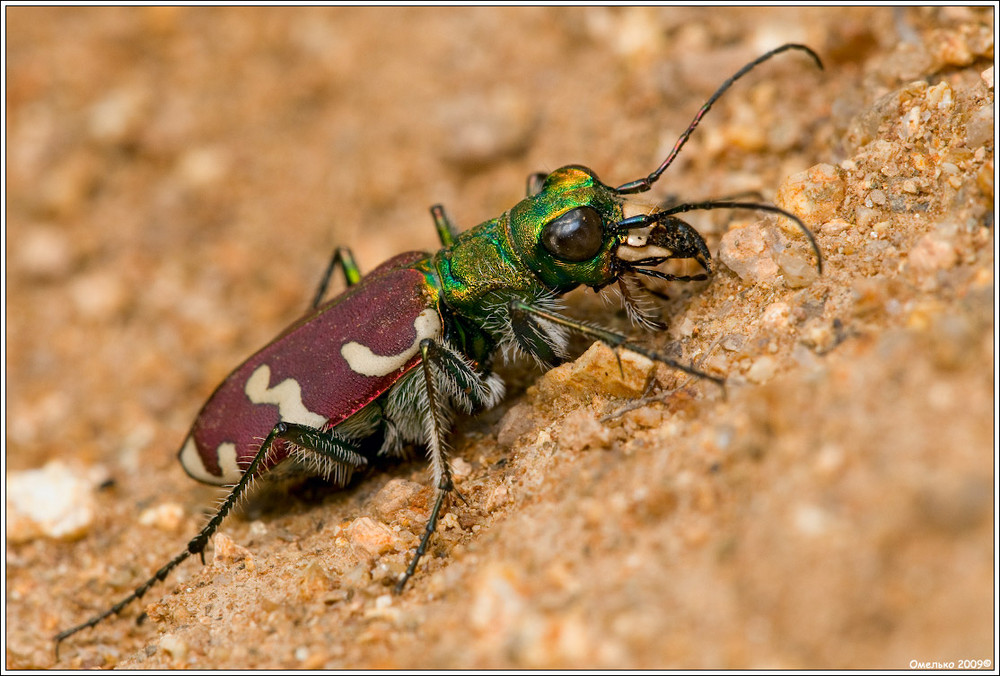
(55, 501)
(168, 517)
(173, 646)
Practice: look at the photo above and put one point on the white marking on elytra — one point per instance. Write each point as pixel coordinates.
(362, 360)
(195, 466)
(231, 471)
(192, 462)
(286, 395)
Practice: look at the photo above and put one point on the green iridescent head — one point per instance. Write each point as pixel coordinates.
(567, 232)
(573, 230)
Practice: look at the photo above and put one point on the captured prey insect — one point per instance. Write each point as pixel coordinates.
(391, 360)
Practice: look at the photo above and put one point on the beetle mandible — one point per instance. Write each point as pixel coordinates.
(345, 383)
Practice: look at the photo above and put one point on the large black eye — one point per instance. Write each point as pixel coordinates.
(575, 236)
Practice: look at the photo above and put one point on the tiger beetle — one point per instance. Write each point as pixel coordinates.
(391, 360)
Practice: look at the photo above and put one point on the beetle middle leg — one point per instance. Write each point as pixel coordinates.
(534, 183)
(449, 380)
(342, 256)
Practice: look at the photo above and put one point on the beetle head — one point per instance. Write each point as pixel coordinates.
(573, 230)
(564, 232)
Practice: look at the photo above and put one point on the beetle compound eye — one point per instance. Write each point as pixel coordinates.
(575, 236)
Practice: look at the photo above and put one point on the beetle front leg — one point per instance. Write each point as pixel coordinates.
(610, 338)
(352, 275)
(535, 183)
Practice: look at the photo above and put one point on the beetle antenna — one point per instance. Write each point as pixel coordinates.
(644, 184)
(753, 206)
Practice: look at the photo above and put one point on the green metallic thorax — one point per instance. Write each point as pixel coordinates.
(478, 275)
(481, 269)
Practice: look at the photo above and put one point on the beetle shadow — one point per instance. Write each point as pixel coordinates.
(291, 487)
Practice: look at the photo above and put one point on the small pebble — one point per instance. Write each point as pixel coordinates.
(818, 334)
(987, 77)
(395, 495)
(460, 468)
(747, 252)
(939, 96)
(174, 646)
(814, 195)
(775, 314)
(580, 429)
(951, 49)
(866, 216)
(980, 127)
(202, 167)
(597, 371)
(99, 295)
(835, 226)
(516, 422)
(227, 552)
(798, 268)
(55, 501)
(732, 342)
(811, 520)
(117, 117)
(762, 370)
(932, 253)
(168, 517)
(383, 609)
(45, 252)
(370, 538)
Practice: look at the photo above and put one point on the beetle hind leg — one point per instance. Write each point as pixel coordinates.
(338, 453)
(323, 452)
(435, 422)
(308, 439)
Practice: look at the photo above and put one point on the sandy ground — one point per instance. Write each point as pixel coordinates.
(176, 179)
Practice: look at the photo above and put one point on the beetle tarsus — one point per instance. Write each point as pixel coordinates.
(116, 609)
(424, 539)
